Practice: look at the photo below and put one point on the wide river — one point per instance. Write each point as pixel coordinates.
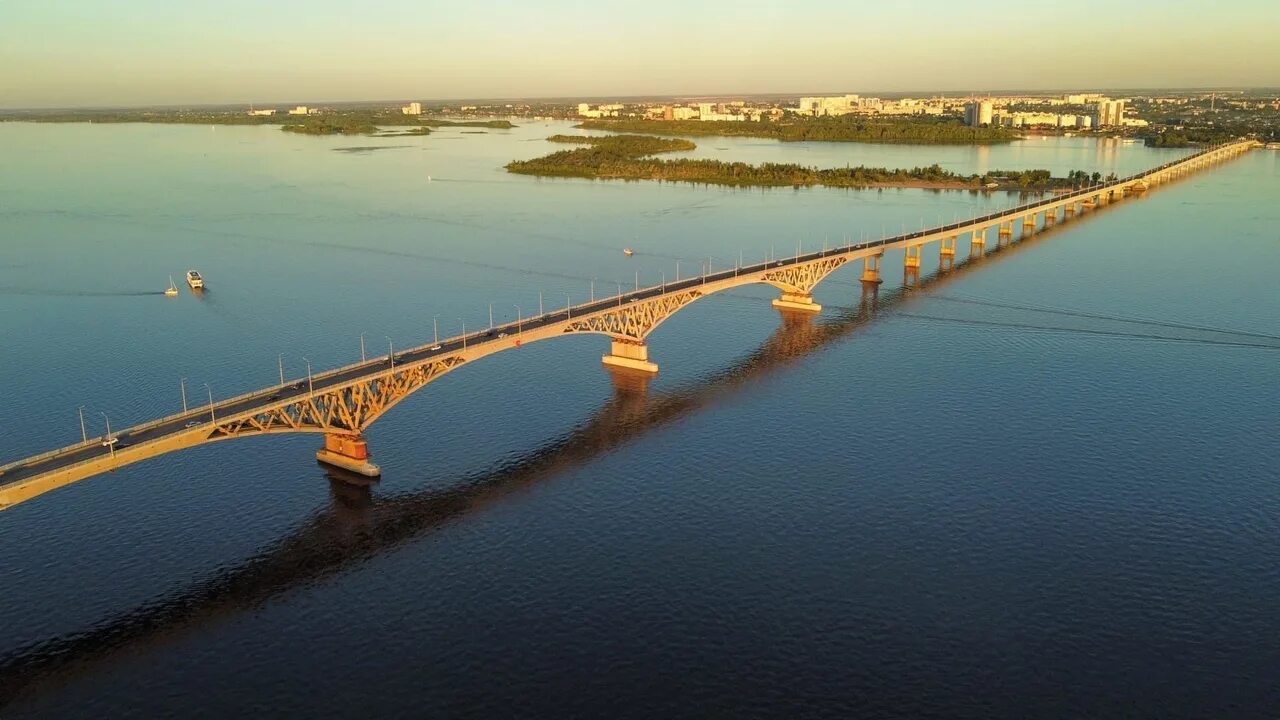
(1045, 484)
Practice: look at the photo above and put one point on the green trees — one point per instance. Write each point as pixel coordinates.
(630, 157)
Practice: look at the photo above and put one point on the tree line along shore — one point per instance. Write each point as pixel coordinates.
(630, 157)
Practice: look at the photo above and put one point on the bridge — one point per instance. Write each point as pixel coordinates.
(342, 403)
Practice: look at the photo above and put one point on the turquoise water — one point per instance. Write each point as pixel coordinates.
(908, 513)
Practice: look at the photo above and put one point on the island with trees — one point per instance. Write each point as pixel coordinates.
(630, 157)
(841, 128)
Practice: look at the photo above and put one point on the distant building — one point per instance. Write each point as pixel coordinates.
(412, 108)
(1084, 121)
(263, 112)
(300, 110)
(1109, 113)
(978, 113)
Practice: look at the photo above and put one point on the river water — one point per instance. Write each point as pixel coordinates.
(981, 498)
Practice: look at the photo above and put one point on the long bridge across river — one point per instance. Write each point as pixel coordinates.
(342, 403)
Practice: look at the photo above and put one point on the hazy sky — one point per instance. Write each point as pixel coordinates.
(131, 52)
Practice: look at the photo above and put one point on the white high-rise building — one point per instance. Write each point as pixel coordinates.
(978, 113)
(1110, 113)
(412, 108)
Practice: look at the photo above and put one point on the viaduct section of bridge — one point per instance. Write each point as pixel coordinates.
(341, 404)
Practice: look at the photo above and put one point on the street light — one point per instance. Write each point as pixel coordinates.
(519, 320)
(183, 384)
(84, 436)
(391, 351)
(213, 419)
(111, 445)
(310, 388)
(490, 316)
(435, 330)
(280, 364)
(464, 333)
(362, 358)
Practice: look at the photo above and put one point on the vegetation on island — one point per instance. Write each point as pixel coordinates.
(629, 157)
(841, 128)
(1186, 137)
(320, 125)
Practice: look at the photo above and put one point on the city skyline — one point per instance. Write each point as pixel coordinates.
(144, 52)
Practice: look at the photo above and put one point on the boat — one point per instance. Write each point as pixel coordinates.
(172, 289)
(628, 252)
(194, 280)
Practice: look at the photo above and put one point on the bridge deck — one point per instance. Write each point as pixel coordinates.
(413, 368)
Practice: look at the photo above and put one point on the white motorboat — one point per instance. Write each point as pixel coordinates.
(194, 280)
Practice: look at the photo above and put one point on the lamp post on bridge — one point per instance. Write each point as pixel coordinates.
(490, 316)
(310, 388)
(568, 311)
(111, 441)
(280, 364)
(213, 419)
(84, 436)
(539, 303)
(182, 383)
(464, 333)
(391, 351)
(435, 330)
(362, 357)
(519, 320)
(593, 289)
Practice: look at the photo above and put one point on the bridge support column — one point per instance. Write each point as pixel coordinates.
(1028, 225)
(978, 243)
(1068, 210)
(947, 253)
(348, 452)
(871, 269)
(629, 355)
(1050, 217)
(912, 257)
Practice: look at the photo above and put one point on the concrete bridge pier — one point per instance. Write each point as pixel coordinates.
(947, 253)
(871, 269)
(348, 452)
(1050, 218)
(629, 355)
(978, 244)
(1029, 225)
(911, 258)
(1068, 210)
(797, 303)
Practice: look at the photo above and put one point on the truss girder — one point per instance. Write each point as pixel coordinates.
(633, 320)
(803, 278)
(346, 410)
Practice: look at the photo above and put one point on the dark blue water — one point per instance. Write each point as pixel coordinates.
(941, 503)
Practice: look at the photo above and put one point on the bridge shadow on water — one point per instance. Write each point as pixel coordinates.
(357, 525)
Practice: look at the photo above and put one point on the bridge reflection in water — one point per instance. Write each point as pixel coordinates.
(341, 404)
(358, 526)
